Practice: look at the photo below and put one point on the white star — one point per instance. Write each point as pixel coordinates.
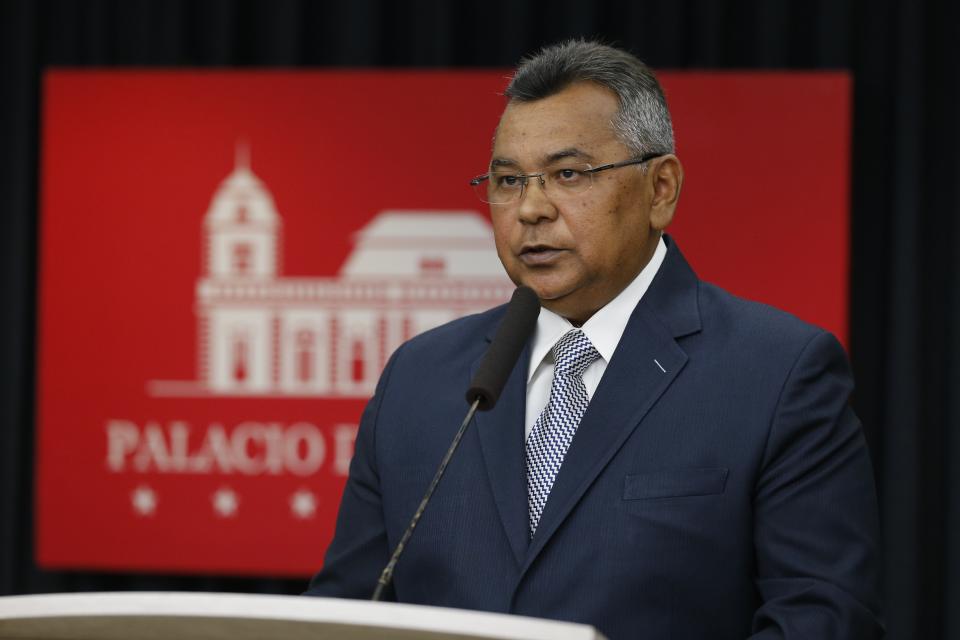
(225, 502)
(144, 500)
(303, 504)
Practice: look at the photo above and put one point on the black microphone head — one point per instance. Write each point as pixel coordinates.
(515, 329)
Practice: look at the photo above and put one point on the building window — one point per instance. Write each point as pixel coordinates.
(242, 259)
(305, 355)
(357, 363)
(240, 359)
(432, 265)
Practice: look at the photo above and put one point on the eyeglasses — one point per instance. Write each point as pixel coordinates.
(562, 180)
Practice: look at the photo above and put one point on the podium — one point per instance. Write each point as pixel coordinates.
(225, 616)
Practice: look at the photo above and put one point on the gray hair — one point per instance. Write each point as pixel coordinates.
(643, 121)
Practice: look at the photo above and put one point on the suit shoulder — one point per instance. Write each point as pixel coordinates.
(763, 325)
(767, 346)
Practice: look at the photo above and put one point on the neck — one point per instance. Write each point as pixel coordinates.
(579, 317)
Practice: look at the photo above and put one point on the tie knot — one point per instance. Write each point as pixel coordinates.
(573, 353)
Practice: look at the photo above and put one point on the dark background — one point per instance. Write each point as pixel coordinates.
(904, 310)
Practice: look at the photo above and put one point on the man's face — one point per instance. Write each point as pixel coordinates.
(576, 252)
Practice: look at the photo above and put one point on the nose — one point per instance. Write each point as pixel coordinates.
(535, 204)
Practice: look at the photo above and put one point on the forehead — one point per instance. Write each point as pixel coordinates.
(579, 117)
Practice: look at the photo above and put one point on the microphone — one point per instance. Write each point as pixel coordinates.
(517, 326)
(512, 334)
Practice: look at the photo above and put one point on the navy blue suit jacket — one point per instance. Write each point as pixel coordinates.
(729, 496)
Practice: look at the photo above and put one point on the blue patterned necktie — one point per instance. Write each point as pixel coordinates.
(553, 431)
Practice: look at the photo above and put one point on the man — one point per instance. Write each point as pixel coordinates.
(666, 460)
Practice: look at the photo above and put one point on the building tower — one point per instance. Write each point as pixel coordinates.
(242, 238)
(242, 226)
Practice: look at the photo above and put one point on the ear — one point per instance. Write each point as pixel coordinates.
(666, 178)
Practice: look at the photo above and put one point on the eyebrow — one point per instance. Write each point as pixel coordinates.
(570, 152)
(497, 163)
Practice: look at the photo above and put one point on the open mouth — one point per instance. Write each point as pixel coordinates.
(539, 254)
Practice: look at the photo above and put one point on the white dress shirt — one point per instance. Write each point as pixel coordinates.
(604, 328)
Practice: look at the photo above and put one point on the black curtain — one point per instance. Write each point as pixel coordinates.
(905, 300)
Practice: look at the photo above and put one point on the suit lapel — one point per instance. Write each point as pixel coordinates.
(631, 385)
(645, 363)
(501, 440)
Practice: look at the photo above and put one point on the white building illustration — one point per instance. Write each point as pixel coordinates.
(261, 333)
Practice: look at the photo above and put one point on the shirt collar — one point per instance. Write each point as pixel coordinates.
(605, 327)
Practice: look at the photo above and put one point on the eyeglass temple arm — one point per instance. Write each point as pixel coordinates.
(615, 165)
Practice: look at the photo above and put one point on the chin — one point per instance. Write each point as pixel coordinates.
(558, 302)
(545, 293)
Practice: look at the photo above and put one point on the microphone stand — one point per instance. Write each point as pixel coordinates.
(387, 575)
(515, 329)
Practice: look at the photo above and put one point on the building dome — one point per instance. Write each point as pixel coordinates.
(242, 199)
(242, 226)
(424, 244)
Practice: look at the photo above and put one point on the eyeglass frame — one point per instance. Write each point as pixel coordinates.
(525, 177)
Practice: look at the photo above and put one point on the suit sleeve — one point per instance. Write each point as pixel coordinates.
(359, 549)
(816, 528)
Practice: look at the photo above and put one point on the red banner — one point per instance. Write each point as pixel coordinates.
(228, 259)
